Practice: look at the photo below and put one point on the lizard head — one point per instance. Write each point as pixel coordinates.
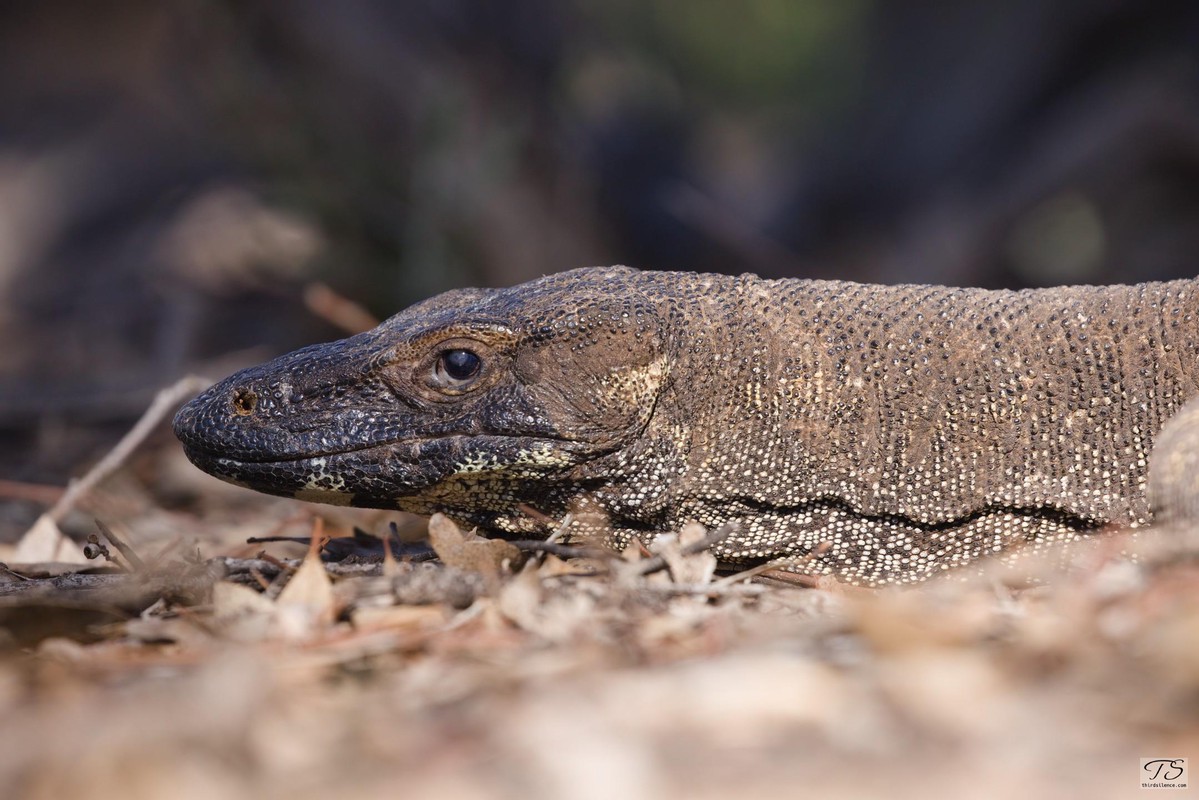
(469, 403)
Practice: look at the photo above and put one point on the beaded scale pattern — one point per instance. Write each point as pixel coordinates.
(879, 434)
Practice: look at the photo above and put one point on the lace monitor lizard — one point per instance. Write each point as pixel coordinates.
(879, 434)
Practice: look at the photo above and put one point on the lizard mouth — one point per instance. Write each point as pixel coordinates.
(341, 478)
(198, 453)
(378, 475)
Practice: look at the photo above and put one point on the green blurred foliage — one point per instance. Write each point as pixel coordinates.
(753, 52)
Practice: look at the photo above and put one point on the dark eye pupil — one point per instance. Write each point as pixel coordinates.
(460, 364)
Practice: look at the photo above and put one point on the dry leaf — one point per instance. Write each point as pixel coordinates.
(240, 612)
(44, 543)
(404, 618)
(552, 566)
(488, 557)
(556, 616)
(697, 568)
(521, 599)
(306, 604)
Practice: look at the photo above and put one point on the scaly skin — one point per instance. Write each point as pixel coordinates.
(880, 434)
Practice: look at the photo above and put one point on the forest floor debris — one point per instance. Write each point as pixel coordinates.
(183, 661)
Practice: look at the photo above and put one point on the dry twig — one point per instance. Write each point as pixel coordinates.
(337, 310)
(135, 562)
(656, 563)
(164, 402)
(563, 550)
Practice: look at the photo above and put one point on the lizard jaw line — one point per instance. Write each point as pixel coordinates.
(415, 444)
(218, 456)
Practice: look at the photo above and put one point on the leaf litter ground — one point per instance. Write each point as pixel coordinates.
(183, 662)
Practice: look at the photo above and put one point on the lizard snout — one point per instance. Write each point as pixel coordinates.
(248, 417)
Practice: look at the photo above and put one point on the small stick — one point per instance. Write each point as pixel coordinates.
(261, 579)
(33, 492)
(793, 578)
(390, 567)
(563, 550)
(770, 569)
(299, 516)
(125, 550)
(283, 566)
(4, 568)
(319, 537)
(547, 521)
(713, 537)
(304, 540)
(657, 563)
(338, 310)
(746, 574)
(164, 402)
(561, 531)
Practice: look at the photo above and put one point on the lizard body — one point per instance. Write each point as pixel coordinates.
(880, 434)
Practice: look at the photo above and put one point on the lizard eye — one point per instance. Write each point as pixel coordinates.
(457, 368)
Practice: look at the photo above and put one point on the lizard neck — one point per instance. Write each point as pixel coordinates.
(927, 403)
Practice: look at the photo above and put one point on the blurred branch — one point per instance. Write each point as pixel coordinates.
(163, 404)
(337, 310)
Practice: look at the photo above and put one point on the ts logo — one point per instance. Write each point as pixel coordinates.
(1164, 769)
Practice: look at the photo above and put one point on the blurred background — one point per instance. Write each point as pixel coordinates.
(176, 177)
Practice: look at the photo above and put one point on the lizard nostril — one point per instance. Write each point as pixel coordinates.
(244, 402)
